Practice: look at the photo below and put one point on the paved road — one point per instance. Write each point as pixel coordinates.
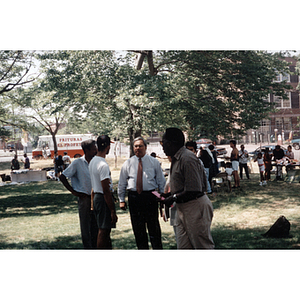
(8, 156)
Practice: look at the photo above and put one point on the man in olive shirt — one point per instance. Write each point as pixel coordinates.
(187, 183)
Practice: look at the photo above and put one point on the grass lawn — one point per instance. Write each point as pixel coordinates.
(44, 215)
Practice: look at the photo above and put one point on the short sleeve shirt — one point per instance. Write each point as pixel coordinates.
(79, 174)
(243, 158)
(186, 172)
(99, 171)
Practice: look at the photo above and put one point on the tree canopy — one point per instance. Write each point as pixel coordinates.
(206, 93)
(221, 92)
(15, 72)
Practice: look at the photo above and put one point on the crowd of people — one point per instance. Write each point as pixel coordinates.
(265, 160)
(182, 198)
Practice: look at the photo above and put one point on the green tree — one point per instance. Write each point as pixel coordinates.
(206, 93)
(14, 69)
(40, 109)
(108, 90)
(221, 92)
(4, 134)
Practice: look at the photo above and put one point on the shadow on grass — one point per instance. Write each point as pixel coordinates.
(250, 239)
(60, 243)
(44, 199)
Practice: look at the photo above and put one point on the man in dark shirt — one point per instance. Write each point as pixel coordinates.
(15, 163)
(278, 154)
(26, 162)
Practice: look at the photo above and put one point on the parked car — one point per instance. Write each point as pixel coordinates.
(296, 143)
(206, 142)
(262, 149)
(10, 147)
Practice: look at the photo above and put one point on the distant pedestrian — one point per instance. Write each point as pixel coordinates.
(234, 158)
(153, 154)
(278, 155)
(26, 162)
(290, 153)
(66, 159)
(214, 170)
(261, 166)
(207, 162)
(268, 163)
(58, 166)
(243, 160)
(15, 163)
(191, 145)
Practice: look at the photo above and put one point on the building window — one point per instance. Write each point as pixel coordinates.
(265, 125)
(282, 77)
(287, 123)
(278, 123)
(282, 103)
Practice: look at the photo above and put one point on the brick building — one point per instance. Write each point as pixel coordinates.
(286, 120)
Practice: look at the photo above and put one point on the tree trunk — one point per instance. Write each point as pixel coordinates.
(54, 141)
(131, 138)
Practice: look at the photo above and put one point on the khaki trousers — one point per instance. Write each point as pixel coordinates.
(194, 220)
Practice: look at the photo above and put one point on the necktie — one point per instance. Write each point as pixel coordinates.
(139, 178)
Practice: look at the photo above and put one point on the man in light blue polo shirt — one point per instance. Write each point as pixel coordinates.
(81, 187)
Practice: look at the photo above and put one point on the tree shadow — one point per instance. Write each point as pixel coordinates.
(60, 243)
(35, 205)
(44, 198)
(227, 238)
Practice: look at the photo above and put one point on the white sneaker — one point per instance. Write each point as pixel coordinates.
(260, 183)
(264, 183)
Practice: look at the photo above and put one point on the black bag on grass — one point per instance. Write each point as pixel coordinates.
(280, 229)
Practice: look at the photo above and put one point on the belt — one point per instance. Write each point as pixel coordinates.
(192, 197)
(143, 192)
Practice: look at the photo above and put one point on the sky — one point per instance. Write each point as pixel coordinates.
(122, 25)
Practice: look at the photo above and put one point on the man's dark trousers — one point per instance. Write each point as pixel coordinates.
(144, 212)
(244, 166)
(88, 224)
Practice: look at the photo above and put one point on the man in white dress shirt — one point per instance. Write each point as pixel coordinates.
(81, 187)
(140, 175)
